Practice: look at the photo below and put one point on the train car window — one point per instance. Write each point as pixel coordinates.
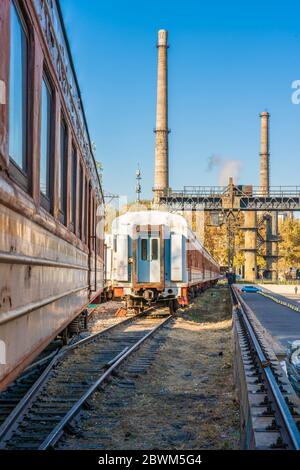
(115, 245)
(86, 223)
(46, 153)
(80, 201)
(73, 190)
(62, 169)
(95, 232)
(101, 226)
(144, 242)
(18, 90)
(154, 249)
(93, 225)
(97, 241)
(83, 209)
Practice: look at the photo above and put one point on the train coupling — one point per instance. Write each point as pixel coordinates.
(149, 295)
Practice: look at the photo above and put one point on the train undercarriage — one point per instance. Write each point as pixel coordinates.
(143, 298)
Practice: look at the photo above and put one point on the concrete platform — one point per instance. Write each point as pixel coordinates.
(283, 289)
(291, 298)
(280, 322)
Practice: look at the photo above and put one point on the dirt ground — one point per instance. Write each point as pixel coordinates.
(104, 316)
(186, 399)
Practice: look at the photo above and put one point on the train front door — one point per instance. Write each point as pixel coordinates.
(148, 259)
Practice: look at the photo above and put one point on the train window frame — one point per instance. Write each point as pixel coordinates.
(73, 187)
(154, 252)
(90, 215)
(101, 210)
(144, 249)
(95, 221)
(93, 215)
(86, 212)
(63, 170)
(97, 241)
(80, 208)
(21, 174)
(46, 199)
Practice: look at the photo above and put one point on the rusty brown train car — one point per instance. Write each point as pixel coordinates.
(51, 262)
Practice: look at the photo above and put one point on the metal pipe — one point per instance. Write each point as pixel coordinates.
(9, 258)
(28, 308)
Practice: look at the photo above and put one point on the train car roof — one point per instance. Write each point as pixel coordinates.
(57, 18)
(175, 222)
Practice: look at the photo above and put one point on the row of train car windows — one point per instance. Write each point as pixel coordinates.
(146, 255)
(18, 130)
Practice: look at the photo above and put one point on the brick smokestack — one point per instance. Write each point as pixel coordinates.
(264, 154)
(161, 179)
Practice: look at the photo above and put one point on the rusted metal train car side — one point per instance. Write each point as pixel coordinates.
(51, 263)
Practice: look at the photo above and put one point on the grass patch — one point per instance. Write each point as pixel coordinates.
(212, 305)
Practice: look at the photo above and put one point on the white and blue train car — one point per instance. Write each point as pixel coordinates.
(153, 256)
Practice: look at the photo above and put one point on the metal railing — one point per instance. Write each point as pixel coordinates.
(247, 190)
(232, 198)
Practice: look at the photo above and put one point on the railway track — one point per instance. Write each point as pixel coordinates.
(70, 379)
(15, 392)
(284, 421)
(12, 396)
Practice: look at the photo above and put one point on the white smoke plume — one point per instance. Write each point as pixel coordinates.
(227, 168)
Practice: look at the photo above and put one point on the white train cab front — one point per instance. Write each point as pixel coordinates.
(150, 259)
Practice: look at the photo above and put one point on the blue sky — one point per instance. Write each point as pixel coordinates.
(228, 61)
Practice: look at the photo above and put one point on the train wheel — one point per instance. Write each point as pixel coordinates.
(173, 306)
(109, 295)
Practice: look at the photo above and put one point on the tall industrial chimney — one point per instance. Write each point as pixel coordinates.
(161, 181)
(264, 154)
(271, 255)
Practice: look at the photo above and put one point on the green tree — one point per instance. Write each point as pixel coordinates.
(289, 245)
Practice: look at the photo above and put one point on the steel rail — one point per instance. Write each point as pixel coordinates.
(26, 401)
(40, 362)
(11, 397)
(8, 425)
(285, 416)
(57, 432)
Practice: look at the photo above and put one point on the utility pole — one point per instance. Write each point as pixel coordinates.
(138, 186)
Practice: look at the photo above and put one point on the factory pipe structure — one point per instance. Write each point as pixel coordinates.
(250, 250)
(161, 181)
(265, 186)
